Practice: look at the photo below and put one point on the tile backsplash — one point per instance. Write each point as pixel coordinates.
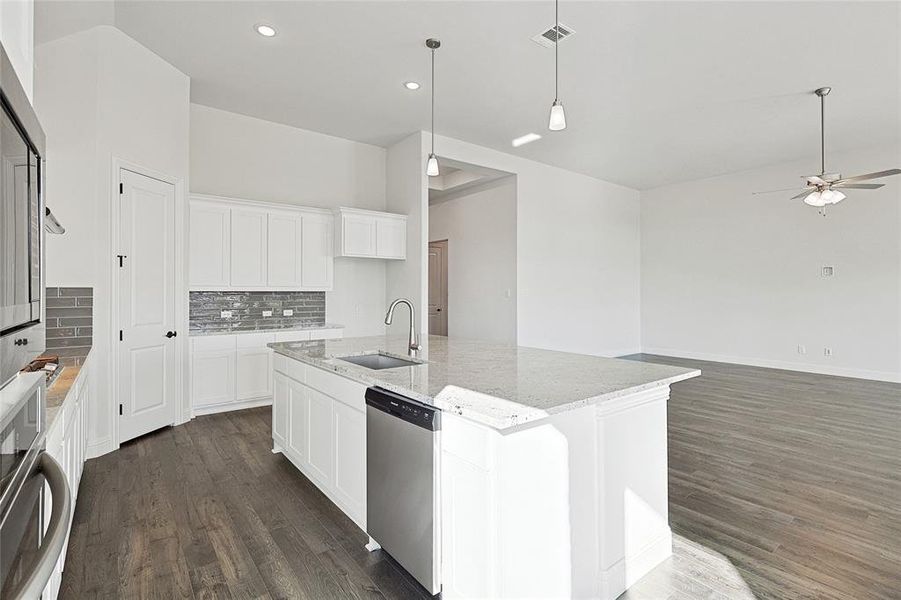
(70, 325)
(247, 310)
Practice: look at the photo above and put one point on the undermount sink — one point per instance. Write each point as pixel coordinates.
(379, 361)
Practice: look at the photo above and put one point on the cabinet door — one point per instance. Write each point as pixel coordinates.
(350, 459)
(248, 248)
(391, 237)
(212, 377)
(317, 252)
(284, 251)
(280, 395)
(253, 373)
(298, 418)
(358, 235)
(319, 431)
(209, 245)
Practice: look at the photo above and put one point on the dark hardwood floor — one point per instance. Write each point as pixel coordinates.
(782, 485)
(205, 510)
(786, 484)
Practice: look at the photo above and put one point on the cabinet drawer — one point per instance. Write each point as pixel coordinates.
(254, 340)
(212, 343)
(467, 441)
(294, 369)
(342, 389)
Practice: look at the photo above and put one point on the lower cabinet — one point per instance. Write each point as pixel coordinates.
(322, 430)
(234, 371)
(67, 444)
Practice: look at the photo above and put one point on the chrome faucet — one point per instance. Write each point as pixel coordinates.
(413, 347)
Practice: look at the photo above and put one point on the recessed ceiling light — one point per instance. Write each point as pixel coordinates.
(411, 85)
(525, 139)
(265, 30)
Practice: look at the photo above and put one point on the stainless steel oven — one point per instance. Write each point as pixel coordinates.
(22, 149)
(29, 545)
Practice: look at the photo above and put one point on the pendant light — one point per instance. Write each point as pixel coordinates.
(431, 168)
(557, 119)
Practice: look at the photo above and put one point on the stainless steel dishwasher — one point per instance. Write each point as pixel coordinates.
(402, 459)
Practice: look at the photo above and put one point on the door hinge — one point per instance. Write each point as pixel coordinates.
(121, 257)
(121, 188)
(120, 410)
(120, 335)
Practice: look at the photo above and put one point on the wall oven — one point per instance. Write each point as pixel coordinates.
(30, 544)
(22, 149)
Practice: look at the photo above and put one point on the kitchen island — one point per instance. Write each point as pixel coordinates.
(553, 476)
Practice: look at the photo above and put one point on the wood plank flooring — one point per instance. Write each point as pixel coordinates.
(205, 510)
(785, 484)
(782, 485)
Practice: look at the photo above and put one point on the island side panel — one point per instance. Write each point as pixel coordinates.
(633, 506)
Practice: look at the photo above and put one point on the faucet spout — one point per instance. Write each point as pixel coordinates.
(413, 346)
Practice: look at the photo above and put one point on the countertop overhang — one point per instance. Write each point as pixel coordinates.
(497, 385)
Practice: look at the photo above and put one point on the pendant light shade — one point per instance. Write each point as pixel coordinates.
(431, 167)
(557, 118)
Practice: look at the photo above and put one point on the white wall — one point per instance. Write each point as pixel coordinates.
(480, 229)
(577, 258)
(17, 37)
(407, 194)
(733, 277)
(244, 157)
(100, 95)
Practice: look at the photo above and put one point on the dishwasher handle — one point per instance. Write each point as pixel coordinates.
(406, 409)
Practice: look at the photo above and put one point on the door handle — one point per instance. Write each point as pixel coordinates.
(171, 334)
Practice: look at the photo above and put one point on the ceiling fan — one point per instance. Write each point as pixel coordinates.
(826, 188)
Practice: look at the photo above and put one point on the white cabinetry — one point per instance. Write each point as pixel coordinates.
(67, 444)
(254, 246)
(319, 423)
(371, 234)
(234, 371)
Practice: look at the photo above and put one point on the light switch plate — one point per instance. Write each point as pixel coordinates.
(287, 313)
(827, 351)
(828, 271)
(267, 313)
(225, 314)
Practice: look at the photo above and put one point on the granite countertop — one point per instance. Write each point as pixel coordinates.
(202, 332)
(57, 393)
(497, 385)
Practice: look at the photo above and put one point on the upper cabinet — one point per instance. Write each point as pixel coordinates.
(371, 234)
(252, 246)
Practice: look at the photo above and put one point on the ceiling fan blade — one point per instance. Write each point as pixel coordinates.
(858, 186)
(866, 176)
(804, 193)
(791, 189)
(815, 180)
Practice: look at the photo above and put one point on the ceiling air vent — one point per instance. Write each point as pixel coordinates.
(547, 37)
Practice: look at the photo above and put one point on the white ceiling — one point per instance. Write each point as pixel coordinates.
(655, 92)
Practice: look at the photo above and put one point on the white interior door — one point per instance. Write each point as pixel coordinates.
(147, 346)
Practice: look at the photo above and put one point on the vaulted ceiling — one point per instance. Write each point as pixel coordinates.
(655, 92)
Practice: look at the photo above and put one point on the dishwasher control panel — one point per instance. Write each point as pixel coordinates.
(407, 409)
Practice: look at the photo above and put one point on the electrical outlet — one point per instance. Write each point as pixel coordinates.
(802, 349)
(828, 271)
(225, 314)
(267, 313)
(827, 351)
(288, 312)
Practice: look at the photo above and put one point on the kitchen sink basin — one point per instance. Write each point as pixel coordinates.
(379, 361)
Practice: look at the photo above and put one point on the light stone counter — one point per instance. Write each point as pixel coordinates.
(500, 386)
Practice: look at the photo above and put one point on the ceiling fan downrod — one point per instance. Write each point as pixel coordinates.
(822, 93)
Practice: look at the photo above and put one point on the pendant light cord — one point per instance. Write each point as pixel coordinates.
(433, 101)
(556, 46)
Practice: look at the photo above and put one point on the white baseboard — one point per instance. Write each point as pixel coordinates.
(779, 364)
(626, 572)
(220, 408)
(99, 448)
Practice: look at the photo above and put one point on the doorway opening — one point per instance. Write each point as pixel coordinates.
(472, 253)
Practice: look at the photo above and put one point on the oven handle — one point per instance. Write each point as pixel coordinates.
(57, 530)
